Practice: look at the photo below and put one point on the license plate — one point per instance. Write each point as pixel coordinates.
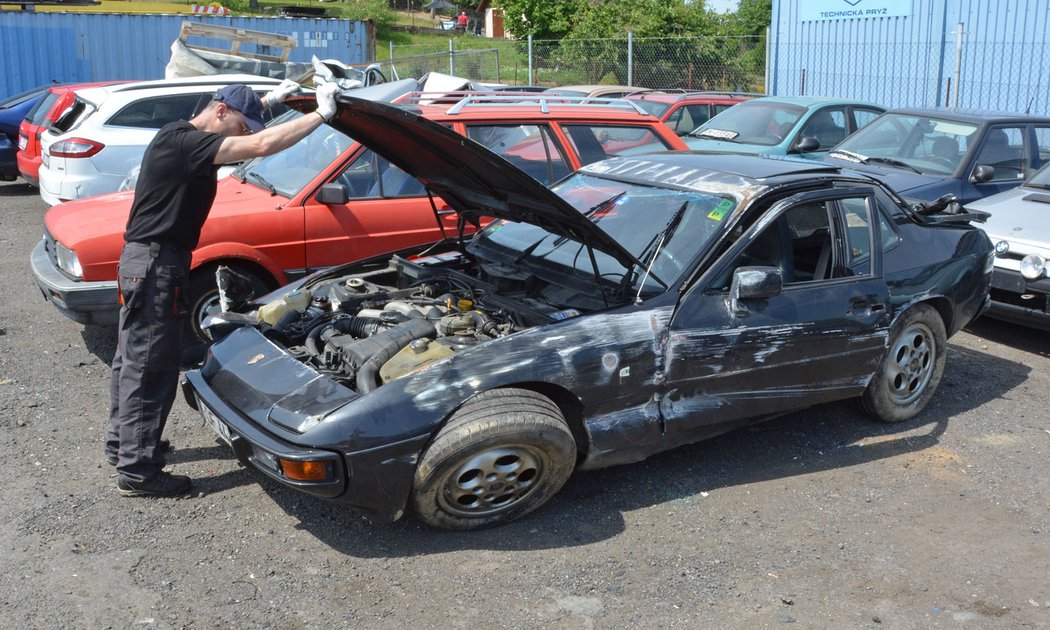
(22, 142)
(216, 424)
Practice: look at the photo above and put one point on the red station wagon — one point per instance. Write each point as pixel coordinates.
(58, 98)
(685, 111)
(328, 200)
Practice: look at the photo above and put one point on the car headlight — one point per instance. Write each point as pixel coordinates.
(68, 261)
(1033, 266)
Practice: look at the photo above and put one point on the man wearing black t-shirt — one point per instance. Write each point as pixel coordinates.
(173, 196)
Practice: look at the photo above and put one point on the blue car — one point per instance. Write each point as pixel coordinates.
(927, 153)
(805, 126)
(12, 110)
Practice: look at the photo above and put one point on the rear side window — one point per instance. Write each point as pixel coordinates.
(529, 147)
(597, 142)
(154, 113)
(38, 114)
(687, 118)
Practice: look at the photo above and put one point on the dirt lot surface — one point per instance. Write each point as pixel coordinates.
(820, 519)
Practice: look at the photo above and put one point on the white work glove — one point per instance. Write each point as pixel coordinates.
(326, 100)
(279, 93)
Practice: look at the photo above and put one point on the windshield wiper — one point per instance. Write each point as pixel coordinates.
(263, 182)
(893, 162)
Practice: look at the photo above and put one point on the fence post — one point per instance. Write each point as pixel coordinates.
(530, 60)
(958, 64)
(630, 58)
(391, 51)
(452, 56)
(497, 66)
(767, 61)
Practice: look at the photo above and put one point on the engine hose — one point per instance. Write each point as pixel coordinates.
(391, 341)
(359, 326)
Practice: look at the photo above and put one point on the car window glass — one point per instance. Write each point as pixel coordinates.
(40, 111)
(857, 218)
(798, 242)
(597, 142)
(828, 126)
(1042, 140)
(693, 117)
(292, 169)
(862, 116)
(753, 122)
(928, 145)
(154, 113)
(529, 147)
(1003, 150)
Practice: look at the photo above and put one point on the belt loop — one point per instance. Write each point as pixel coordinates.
(154, 249)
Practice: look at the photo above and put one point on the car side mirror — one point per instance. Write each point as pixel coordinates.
(333, 194)
(982, 173)
(807, 144)
(753, 283)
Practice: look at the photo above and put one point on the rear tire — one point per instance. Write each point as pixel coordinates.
(912, 368)
(505, 453)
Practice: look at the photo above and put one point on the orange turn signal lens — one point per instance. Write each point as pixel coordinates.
(304, 470)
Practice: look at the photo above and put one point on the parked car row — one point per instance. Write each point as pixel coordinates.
(376, 297)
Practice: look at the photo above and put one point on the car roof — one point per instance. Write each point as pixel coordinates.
(703, 169)
(100, 93)
(969, 115)
(595, 90)
(667, 96)
(812, 101)
(488, 105)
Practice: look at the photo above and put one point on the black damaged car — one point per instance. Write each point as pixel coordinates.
(639, 304)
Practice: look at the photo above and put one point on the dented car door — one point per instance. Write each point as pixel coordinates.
(817, 338)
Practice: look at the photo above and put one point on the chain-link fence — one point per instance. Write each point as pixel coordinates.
(693, 63)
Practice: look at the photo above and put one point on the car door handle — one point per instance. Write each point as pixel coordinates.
(445, 210)
(868, 303)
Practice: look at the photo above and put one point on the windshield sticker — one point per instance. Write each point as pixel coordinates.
(721, 210)
(722, 134)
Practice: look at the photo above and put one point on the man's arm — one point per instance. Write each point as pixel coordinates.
(279, 137)
(268, 141)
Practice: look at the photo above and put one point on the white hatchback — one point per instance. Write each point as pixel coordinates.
(93, 145)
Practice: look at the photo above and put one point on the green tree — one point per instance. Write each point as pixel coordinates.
(543, 19)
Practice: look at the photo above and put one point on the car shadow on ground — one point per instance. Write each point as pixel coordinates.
(1032, 340)
(16, 189)
(592, 505)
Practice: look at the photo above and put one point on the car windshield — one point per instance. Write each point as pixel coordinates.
(287, 172)
(932, 146)
(1041, 178)
(758, 122)
(656, 108)
(663, 228)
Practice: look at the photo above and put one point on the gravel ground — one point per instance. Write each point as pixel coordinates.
(821, 519)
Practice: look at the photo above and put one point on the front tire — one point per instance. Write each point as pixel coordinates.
(912, 368)
(502, 455)
(204, 294)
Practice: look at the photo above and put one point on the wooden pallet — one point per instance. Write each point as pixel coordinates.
(237, 36)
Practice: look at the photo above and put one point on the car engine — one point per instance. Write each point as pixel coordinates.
(369, 328)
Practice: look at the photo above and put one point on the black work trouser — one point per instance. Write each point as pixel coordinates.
(152, 280)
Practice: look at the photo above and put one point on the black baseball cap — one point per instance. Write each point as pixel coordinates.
(243, 99)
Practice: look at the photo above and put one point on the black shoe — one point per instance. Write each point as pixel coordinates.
(164, 446)
(161, 484)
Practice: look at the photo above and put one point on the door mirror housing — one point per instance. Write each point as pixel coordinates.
(333, 195)
(982, 173)
(806, 144)
(753, 283)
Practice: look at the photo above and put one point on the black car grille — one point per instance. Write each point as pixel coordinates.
(1035, 301)
(49, 247)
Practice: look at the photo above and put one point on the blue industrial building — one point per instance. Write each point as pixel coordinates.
(41, 48)
(983, 54)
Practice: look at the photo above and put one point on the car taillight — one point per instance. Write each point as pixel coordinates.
(75, 148)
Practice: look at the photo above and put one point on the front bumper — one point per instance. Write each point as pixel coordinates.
(256, 448)
(254, 395)
(89, 303)
(1020, 301)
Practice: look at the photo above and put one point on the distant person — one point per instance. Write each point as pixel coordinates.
(462, 20)
(173, 196)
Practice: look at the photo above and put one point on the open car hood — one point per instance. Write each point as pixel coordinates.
(474, 181)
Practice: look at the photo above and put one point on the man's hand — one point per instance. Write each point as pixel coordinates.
(326, 100)
(281, 92)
